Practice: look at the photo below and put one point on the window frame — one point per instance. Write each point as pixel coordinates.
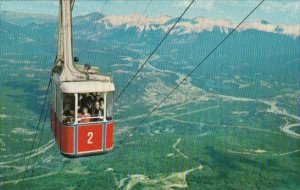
(104, 120)
(59, 103)
(63, 107)
(112, 105)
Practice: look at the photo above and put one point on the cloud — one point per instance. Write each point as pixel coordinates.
(206, 4)
(268, 6)
(277, 6)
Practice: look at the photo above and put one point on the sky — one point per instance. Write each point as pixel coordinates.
(274, 11)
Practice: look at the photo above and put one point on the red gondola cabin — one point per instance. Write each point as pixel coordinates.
(81, 99)
(82, 116)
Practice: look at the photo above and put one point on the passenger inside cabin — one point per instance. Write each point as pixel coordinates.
(90, 102)
(102, 106)
(68, 115)
(97, 98)
(91, 105)
(84, 117)
(96, 112)
(94, 95)
(86, 100)
(69, 99)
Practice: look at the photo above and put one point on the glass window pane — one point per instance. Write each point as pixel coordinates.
(68, 108)
(90, 107)
(98, 107)
(109, 106)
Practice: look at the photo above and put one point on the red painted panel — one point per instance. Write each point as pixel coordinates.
(57, 132)
(89, 138)
(67, 139)
(109, 135)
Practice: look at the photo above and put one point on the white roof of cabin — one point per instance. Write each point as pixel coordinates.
(87, 86)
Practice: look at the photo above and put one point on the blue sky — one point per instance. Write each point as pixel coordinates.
(274, 11)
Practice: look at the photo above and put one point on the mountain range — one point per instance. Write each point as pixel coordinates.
(163, 23)
(232, 124)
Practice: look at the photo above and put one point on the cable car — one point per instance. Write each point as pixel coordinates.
(81, 99)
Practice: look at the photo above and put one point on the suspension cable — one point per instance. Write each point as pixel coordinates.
(145, 10)
(184, 79)
(37, 128)
(105, 3)
(35, 134)
(187, 76)
(41, 135)
(72, 5)
(155, 49)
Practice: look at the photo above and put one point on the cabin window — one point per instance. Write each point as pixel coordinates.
(59, 108)
(68, 108)
(94, 107)
(91, 107)
(109, 106)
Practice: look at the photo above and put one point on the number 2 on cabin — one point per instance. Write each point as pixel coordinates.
(90, 136)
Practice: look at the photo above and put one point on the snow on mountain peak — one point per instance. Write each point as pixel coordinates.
(133, 20)
(199, 24)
